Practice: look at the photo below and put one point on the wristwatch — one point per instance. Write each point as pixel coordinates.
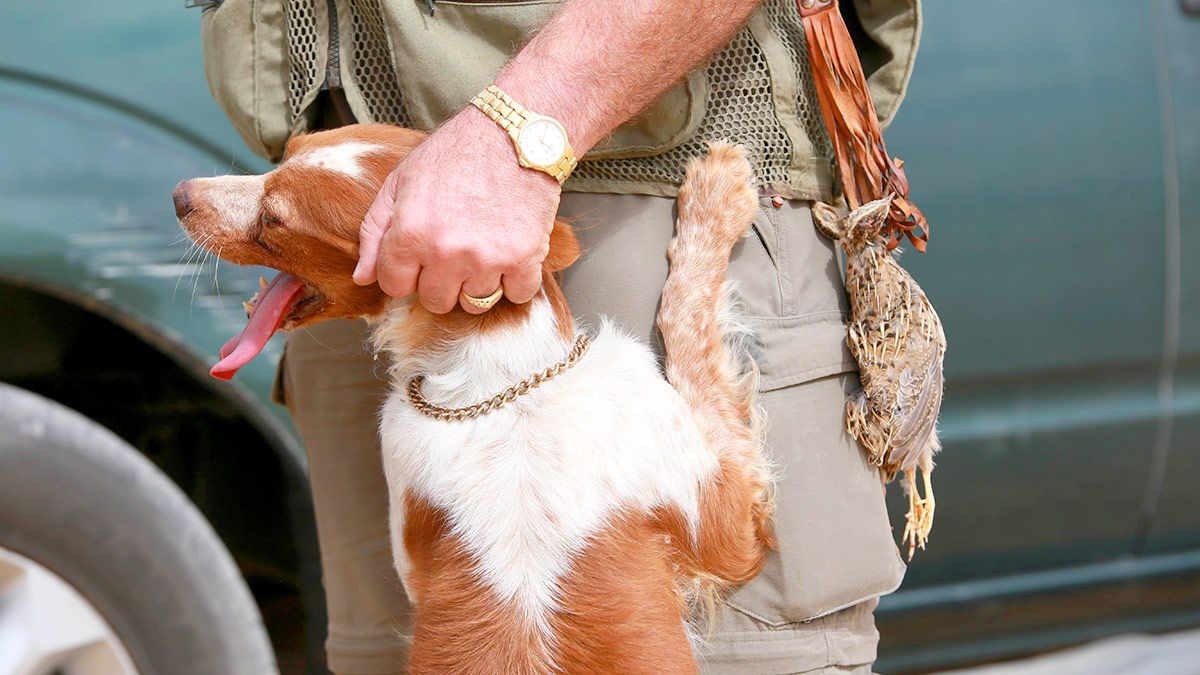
(540, 140)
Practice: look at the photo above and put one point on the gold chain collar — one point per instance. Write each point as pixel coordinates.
(507, 396)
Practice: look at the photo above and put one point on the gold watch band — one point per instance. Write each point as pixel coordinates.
(511, 116)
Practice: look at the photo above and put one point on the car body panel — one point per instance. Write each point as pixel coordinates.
(1036, 143)
(144, 55)
(1034, 148)
(87, 215)
(1176, 524)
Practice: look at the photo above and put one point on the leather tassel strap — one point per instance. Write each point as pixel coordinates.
(866, 170)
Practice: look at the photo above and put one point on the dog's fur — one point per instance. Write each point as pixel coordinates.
(574, 529)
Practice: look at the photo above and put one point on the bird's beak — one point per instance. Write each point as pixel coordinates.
(875, 211)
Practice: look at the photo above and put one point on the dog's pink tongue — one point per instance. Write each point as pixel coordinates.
(275, 301)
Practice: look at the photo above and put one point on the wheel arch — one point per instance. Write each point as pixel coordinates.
(177, 360)
(185, 356)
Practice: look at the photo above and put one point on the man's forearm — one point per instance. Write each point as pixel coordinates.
(596, 63)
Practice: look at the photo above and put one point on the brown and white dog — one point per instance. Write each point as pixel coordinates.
(576, 528)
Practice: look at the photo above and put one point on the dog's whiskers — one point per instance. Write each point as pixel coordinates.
(201, 261)
(187, 253)
(217, 283)
(196, 282)
(186, 260)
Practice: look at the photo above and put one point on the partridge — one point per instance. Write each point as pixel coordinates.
(897, 339)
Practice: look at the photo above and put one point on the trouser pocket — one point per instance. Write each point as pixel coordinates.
(789, 289)
(835, 545)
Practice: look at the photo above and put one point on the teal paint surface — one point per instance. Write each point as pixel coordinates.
(87, 211)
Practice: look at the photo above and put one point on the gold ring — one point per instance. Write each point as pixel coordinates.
(483, 303)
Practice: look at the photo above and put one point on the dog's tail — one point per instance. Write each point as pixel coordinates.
(708, 363)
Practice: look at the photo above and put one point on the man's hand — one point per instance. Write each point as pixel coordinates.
(459, 214)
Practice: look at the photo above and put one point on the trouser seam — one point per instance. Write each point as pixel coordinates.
(826, 633)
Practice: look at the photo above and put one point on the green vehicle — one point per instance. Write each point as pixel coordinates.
(155, 520)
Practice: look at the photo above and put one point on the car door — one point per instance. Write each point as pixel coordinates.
(1176, 504)
(1033, 140)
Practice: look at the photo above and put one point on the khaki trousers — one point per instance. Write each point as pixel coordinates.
(810, 610)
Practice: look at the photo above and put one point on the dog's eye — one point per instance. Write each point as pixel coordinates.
(268, 220)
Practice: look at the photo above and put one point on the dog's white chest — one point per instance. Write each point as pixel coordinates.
(525, 486)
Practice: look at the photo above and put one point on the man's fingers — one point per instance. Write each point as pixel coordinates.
(396, 269)
(375, 224)
(479, 287)
(520, 285)
(398, 279)
(438, 287)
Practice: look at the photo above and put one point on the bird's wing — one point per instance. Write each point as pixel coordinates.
(911, 445)
(922, 381)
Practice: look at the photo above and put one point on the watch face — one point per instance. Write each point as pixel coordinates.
(543, 142)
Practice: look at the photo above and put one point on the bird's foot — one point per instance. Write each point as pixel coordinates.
(919, 519)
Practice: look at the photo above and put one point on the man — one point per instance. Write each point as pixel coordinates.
(461, 217)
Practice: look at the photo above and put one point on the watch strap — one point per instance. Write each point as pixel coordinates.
(503, 110)
(511, 116)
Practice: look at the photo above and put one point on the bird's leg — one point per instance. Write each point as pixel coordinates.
(919, 519)
(910, 518)
(927, 521)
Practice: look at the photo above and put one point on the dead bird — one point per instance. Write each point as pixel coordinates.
(897, 339)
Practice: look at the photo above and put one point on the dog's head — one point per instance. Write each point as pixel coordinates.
(302, 219)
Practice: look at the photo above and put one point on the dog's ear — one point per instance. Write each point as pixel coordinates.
(564, 247)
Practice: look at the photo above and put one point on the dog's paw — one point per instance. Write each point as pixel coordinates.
(719, 193)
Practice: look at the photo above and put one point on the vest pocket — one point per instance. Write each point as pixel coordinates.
(442, 60)
(246, 62)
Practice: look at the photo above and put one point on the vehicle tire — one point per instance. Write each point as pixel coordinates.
(80, 502)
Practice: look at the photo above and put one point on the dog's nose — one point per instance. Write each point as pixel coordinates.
(183, 201)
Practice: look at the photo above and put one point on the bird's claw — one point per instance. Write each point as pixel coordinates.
(918, 522)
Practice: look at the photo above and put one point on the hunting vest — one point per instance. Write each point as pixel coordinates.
(417, 62)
